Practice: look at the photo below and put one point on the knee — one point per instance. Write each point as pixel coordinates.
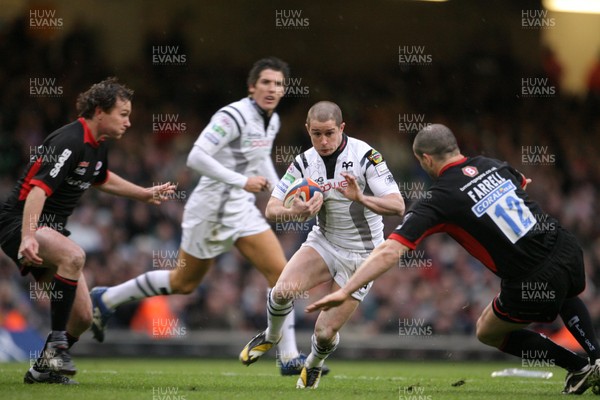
(325, 335)
(182, 286)
(74, 260)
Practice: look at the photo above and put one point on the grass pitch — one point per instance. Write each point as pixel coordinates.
(173, 379)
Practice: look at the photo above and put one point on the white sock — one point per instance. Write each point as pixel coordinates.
(318, 354)
(287, 348)
(153, 283)
(276, 316)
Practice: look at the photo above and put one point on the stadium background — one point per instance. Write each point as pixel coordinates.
(512, 88)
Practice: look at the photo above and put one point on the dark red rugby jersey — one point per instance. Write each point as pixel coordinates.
(68, 162)
(480, 202)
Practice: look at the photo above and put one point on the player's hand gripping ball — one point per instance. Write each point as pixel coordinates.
(307, 187)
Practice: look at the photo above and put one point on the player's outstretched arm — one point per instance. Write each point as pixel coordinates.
(122, 187)
(302, 210)
(390, 204)
(382, 259)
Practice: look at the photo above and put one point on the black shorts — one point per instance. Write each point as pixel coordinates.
(540, 296)
(10, 241)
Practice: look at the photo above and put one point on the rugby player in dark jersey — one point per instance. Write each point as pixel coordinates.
(482, 204)
(33, 218)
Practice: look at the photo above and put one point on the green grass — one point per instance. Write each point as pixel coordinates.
(172, 379)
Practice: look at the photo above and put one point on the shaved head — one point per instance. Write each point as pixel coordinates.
(437, 141)
(324, 111)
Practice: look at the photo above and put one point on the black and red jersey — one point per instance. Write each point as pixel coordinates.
(68, 162)
(481, 203)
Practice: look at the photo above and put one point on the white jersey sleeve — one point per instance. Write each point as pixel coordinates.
(378, 176)
(221, 130)
(292, 173)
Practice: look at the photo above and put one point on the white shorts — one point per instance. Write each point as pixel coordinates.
(342, 263)
(207, 239)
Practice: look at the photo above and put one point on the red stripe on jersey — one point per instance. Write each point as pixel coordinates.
(472, 245)
(452, 164)
(43, 186)
(87, 133)
(465, 239)
(104, 181)
(26, 186)
(523, 181)
(403, 240)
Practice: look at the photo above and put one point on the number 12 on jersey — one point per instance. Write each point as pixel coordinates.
(507, 210)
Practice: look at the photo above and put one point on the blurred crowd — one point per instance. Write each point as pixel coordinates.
(480, 98)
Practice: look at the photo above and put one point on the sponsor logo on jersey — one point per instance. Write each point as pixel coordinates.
(61, 162)
(98, 165)
(257, 143)
(375, 157)
(289, 177)
(79, 183)
(212, 138)
(482, 205)
(218, 129)
(347, 165)
(382, 168)
(327, 186)
(389, 179)
(84, 164)
(470, 171)
(80, 171)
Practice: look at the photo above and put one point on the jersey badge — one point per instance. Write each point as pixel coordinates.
(375, 157)
(470, 171)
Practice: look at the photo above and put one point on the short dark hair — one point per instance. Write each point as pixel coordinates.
(437, 140)
(104, 95)
(273, 63)
(324, 111)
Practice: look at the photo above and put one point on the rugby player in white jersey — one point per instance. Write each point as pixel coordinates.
(233, 155)
(349, 226)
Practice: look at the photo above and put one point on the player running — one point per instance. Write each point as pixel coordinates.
(482, 204)
(33, 218)
(233, 156)
(348, 229)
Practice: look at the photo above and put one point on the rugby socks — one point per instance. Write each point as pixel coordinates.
(276, 315)
(287, 348)
(153, 283)
(318, 354)
(577, 319)
(62, 296)
(530, 345)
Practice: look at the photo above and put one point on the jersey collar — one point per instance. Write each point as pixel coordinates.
(87, 133)
(337, 151)
(452, 164)
(266, 117)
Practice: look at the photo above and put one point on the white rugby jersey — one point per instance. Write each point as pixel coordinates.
(239, 138)
(343, 222)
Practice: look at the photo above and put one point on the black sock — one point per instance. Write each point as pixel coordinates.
(527, 344)
(71, 340)
(577, 319)
(62, 296)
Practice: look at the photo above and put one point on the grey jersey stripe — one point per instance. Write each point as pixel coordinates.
(239, 112)
(357, 212)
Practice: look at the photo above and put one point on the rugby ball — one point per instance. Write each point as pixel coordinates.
(307, 187)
